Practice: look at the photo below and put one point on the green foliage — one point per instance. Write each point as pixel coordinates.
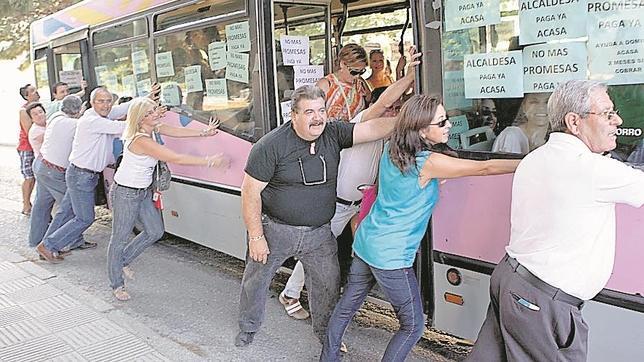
(17, 15)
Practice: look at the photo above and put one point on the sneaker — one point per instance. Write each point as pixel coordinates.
(293, 307)
(243, 339)
(343, 348)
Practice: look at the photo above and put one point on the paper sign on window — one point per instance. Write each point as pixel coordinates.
(193, 78)
(464, 14)
(110, 81)
(547, 65)
(73, 78)
(308, 74)
(140, 62)
(549, 20)
(237, 67)
(454, 90)
(144, 87)
(170, 95)
(217, 55)
(165, 65)
(295, 49)
(494, 75)
(238, 37)
(285, 107)
(615, 39)
(129, 85)
(459, 125)
(98, 71)
(216, 88)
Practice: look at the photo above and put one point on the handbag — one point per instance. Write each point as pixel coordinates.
(162, 175)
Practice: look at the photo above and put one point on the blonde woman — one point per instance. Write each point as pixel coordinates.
(346, 92)
(131, 193)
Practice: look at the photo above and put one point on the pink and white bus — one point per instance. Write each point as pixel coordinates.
(223, 58)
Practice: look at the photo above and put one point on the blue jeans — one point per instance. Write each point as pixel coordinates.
(401, 288)
(130, 206)
(50, 188)
(316, 248)
(75, 212)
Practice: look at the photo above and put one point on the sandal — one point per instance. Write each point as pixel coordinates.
(121, 294)
(293, 307)
(87, 245)
(128, 272)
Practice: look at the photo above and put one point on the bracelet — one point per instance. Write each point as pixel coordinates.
(255, 238)
(211, 162)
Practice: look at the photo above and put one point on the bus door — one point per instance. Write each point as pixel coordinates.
(299, 30)
(69, 63)
(43, 71)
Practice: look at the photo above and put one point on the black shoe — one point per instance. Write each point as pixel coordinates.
(243, 339)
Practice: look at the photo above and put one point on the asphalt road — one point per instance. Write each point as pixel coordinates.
(189, 295)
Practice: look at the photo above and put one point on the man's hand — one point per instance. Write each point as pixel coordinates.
(83, 84)
(155, 92)
(258, 250)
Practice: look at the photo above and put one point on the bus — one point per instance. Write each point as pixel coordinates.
(224, 58)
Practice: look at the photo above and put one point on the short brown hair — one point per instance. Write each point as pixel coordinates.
(352, 53)
(31, 107)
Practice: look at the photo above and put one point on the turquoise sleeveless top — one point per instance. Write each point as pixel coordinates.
(389, 236)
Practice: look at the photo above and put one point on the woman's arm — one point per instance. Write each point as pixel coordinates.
(147, 146)
(179, 132)
(442, 166)
(323, 84)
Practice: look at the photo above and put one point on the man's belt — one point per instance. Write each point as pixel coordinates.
(555, 293)
(51, 165)
(347, 202)
(85, 169)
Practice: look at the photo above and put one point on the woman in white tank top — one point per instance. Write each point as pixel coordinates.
(131, 194)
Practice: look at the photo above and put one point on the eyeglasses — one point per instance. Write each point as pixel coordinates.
(608, 114)
(355, 72)
(103, 101)
(442, 123)
(311, 167)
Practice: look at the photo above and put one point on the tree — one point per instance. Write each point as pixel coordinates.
(17, 15)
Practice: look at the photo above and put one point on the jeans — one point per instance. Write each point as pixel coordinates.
(342, 216)
(316, 248)
(401, 288)
(130, 206)
(50, 188)
(76, 211)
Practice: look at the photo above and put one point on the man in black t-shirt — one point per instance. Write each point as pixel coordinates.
(288, 199)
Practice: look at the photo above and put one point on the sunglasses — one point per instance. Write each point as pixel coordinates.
(488, 112)
(355, 72)
(441, 124)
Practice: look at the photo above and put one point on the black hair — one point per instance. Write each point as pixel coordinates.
(23, 91)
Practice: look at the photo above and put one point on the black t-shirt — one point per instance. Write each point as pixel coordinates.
(298, 193)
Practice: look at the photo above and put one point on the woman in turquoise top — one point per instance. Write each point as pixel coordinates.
(387, 240)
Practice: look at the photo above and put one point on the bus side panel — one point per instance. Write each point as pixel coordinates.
(207, 217)
(615, 333)
(629, 249)
(235, 148)
(461, 320)
(472, 218)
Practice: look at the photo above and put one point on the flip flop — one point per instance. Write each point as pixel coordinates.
(87, 245)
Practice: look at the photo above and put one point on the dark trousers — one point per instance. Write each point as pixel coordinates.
(316, 248)
(528, 321)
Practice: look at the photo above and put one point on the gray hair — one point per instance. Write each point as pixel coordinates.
(571, 96)
(308, 92)
(96, 91)
(71, 105)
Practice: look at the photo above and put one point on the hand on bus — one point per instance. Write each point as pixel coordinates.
(83, 84)
(414, 61)
(161, 111)
(219, 160)
(155, 92)
(258, 250)
(211, 130)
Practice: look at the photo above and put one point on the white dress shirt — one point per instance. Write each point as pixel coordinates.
(358, 165)
(59, 136)
(92, 147)
(35, 140)
(563, 213)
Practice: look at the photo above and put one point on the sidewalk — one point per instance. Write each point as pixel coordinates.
(42, 317)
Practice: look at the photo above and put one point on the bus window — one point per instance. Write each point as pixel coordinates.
(200, 10)
(124, 69)
(121, 31)
(299, 20)
(67, 59)
(42, 75)
(207, 74)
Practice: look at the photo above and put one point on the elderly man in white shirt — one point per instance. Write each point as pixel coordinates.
(562, 239)
(91, 153)
(50, 167)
